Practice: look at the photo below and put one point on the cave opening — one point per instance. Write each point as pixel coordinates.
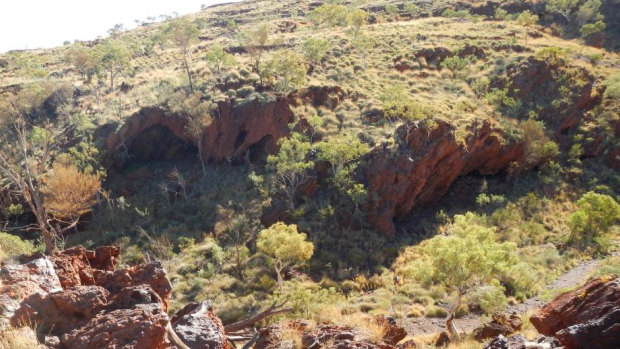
(258, 151)
(158, 143)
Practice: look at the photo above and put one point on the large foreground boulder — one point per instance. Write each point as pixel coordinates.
(198, 327)
(18, 282)
(588, 317)
(76, 299)
(141, 327)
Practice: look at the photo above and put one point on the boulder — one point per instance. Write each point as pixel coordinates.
(18, 282)
(75, 266)
(152, 274)
(61, 311)
(141, 327)
(500, 324)
(584, 318)
(199, 328)
(520, 342)
(99, 307)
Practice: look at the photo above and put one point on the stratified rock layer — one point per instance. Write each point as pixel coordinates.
(429, 160)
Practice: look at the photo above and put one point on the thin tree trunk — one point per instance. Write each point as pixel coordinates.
(450, 326)
(278, 269)
(189, 75)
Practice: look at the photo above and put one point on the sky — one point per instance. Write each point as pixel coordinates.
(31, 24)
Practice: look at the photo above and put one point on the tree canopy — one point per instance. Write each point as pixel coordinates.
(285, 245)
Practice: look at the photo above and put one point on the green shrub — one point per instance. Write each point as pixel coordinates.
(435, 311)
(491, 298)
(596, 214)
(613, 87)
(451, 13)
(13, 246)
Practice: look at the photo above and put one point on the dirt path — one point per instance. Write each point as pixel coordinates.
(570, 279)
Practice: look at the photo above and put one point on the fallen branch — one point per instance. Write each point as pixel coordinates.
(274, 309)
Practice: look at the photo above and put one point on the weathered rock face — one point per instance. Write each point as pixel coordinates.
(141, 327)
(588, 317)
(501, 324)
(427, 163)
(18, 282)
(86, 303)
(250, 129)
(538, 84)
(199, 327)
(332, 336)
(76, 266)
(520, 342)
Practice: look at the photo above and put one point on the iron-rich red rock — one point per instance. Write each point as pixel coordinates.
(61, 311)
(500, 324)
(18, 282)
(141, 327)
(584, 318)
(152, 274)
(429, 161)
(100, 307)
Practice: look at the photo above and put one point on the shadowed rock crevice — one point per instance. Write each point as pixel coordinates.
(159, 143)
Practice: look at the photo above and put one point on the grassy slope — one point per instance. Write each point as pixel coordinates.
(205, 270)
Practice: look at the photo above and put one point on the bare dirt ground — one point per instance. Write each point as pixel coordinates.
(570, 279)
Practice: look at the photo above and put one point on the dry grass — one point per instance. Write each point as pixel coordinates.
(429, 340)
(366, 327)
(290, 338)
(22, 338)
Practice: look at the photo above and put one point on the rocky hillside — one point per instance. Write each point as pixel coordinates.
(313, 174)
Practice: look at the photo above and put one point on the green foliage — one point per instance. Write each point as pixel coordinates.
(285, 245)
(456, 63)
(467, 257)
(362, 44)
(500, 14)
(289, 70)
(330, 14)
(412, 9)
(588, 11)
(83, 59)
(291, 165)
(613, 86)
(500, 100)
(491, 298)
(537, 147)
(552, 54)
(357, 18)
(217, 58)
(315, 50)
(31, 66)
(341, 150)
(563, 7)
(451, 13)
(397, 104)
(594, 217)
(308, 300)
(114, 58)
(592, 28)
(527, 19)
(13, 246)
(182, 33)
